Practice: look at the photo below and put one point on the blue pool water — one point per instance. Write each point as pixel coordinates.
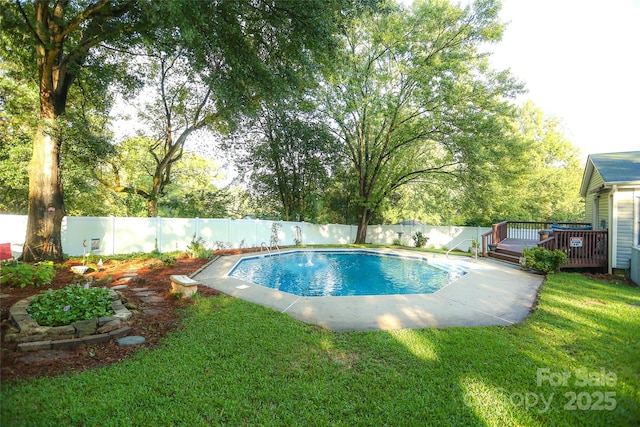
(321, 273)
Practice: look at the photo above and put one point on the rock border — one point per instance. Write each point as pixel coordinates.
(31, 336)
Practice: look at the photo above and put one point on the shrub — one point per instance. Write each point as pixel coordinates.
(419, 239)
(197, 249)
(21, 275)
(70, 304)
(543, 259)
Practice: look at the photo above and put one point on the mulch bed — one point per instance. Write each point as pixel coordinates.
(152, 325)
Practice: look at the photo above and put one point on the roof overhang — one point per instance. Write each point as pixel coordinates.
(586, 177)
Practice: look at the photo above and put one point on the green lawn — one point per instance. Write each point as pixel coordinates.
(575, 361)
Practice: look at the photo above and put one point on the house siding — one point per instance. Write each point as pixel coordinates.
(596, 181)
(602, 221)
(625, 228)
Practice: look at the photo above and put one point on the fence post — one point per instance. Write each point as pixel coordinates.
(112, 224)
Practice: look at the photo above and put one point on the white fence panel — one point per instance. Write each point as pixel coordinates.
(134, 235)
(115, 235)
(175, 234)
(13, 229)
(84, 234)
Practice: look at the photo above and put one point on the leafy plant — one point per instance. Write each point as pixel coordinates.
(544, 260)
(21, 275)
(71, 304)
(419, 239)
(197, 249)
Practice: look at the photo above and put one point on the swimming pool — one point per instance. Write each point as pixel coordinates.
(347, 273)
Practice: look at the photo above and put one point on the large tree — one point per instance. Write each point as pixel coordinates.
(412, 96)
(287, 161)
(62, 36)
(178, 103)
(544, 178)
(259, 46)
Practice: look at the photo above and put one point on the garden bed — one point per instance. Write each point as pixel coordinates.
(150, 320)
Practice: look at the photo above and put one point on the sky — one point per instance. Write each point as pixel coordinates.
(580, 62)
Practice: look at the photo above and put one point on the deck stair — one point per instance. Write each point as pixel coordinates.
(510, 250)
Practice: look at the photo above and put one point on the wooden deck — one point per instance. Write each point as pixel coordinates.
(585, 248)
(516, 245)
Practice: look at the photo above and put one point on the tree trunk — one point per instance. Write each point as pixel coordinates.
(46, 204)
(361, 234)
(152, 208)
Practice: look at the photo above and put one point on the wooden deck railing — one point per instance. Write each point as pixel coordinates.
(584, 248)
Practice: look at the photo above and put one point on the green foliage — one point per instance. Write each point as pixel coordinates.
(197, 248)
(419, 239)
(71, 304)
(536, 179)
(462, 376)
(20, 275)
(437, 112)
(542, 259)
(289, 162)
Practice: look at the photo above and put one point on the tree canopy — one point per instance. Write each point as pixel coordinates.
(347, 111)
(252, 49)
(412, 96)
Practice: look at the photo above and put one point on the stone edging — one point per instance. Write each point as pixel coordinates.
(32, 336)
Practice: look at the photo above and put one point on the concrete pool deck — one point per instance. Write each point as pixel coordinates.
(492, 293)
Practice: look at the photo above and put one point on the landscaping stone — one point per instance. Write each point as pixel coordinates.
(146, 293)
(96, 339)
(123, 315)
(118, 333)
(120, 287)
(57, 333)
(60, 344)
(34, 346)
(151, 299)
(104, 320)
(131, 340)
(109, 326)
(86, 327)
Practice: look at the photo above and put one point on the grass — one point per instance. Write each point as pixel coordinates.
(236, 363)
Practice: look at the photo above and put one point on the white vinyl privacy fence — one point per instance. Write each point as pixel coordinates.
(115, 235)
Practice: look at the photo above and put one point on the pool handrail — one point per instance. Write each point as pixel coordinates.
(459, 243)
